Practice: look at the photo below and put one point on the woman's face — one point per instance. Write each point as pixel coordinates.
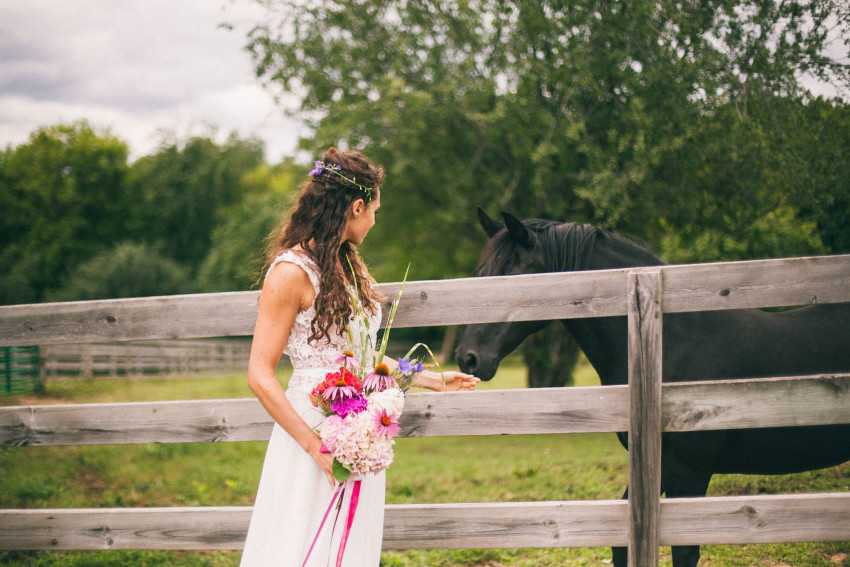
(361, 219)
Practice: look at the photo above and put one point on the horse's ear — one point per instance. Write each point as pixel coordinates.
(490, 225)
(518, 231)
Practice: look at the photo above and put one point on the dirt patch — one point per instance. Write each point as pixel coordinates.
(93, 481)
(34, 400)
(839, 559)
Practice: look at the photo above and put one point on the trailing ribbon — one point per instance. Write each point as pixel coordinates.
(352, 507)
(338, 496)
(338, 493)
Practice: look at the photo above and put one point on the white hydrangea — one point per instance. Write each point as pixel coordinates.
(391, 400)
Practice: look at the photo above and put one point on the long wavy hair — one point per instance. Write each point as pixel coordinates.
(316, 223)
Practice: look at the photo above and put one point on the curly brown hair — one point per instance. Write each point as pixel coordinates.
(316, 223)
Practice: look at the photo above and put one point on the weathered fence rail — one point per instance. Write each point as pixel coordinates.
(697, 406)
(143, 358)
(721, 520)
(645, 408)
(602, 293)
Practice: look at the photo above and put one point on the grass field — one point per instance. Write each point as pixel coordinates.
(458, 469)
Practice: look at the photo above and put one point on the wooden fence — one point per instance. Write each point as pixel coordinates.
(143, 358)
(645, 408)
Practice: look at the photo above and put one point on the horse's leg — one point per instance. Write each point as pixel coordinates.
(682, 483)
(621, 554)
(675, 486)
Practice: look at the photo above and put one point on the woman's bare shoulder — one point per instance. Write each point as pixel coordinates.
(287, 283)
(288, 276)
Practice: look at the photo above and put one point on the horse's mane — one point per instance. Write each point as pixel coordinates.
(567, 246)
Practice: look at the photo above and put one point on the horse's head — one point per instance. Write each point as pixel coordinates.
(513, 248)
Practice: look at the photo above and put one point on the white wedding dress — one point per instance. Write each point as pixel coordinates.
(294, 493)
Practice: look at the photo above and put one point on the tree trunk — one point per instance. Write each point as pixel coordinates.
(550, 356)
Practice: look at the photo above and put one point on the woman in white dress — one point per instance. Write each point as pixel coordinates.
(304, 306)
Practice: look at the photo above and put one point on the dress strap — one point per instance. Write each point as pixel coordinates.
(301, 260)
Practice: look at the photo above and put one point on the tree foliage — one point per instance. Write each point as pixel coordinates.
(236, 257)
(184, 189)
(656, 118)
(127, 270)
(63, 197)
(71, 205)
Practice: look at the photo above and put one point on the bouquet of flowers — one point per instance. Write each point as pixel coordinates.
(362, 403)
(363, 400)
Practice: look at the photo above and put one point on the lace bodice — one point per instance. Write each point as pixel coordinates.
(312, 360)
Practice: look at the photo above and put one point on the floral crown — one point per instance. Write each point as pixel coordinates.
(320, 167)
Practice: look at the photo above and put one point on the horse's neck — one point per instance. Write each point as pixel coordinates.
(604, 340)
(611, 251)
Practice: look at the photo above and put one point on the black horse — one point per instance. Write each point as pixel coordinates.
(746, 343)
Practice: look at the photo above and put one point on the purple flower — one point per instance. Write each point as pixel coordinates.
(406, 368)
(349, 405)
(319, 168)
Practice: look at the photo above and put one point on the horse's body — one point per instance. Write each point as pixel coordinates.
(745, 343)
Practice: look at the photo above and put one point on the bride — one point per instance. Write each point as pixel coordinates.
(304, 307)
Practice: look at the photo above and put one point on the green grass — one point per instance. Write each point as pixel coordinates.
(452, 469)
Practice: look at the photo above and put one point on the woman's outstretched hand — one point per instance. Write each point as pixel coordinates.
(458, 381)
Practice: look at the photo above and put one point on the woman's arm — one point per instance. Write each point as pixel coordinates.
(286, 291)
(449, 381)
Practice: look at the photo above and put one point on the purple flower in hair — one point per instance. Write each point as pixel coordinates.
(319, 168)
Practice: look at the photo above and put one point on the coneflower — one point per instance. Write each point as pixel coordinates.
(345, 385)
(347, 359)
(387, 423)
(379, 379)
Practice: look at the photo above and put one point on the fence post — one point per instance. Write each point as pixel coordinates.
(7, 364)
(644, 324)
(86, 367)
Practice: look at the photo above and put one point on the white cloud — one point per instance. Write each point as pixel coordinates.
(137, 67)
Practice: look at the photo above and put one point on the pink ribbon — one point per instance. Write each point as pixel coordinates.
(338, 495)
(352, 507)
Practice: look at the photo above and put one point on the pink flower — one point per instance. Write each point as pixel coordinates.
(354, 404)
(379, 379)
(347, 359)
(341, 385)
(387, 423)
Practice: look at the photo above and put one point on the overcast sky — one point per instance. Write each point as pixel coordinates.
(137, 67)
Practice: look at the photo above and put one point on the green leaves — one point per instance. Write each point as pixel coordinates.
(656, 119)
(73, 210)
(340, 473)
(63, 196)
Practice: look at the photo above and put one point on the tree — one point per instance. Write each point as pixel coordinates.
(127, 270)
(564, 111)
(184, 190)
(653, 118)
(236, 252)
(550, 355)
(63, 198)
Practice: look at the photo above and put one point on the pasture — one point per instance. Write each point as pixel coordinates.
(427, 470)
